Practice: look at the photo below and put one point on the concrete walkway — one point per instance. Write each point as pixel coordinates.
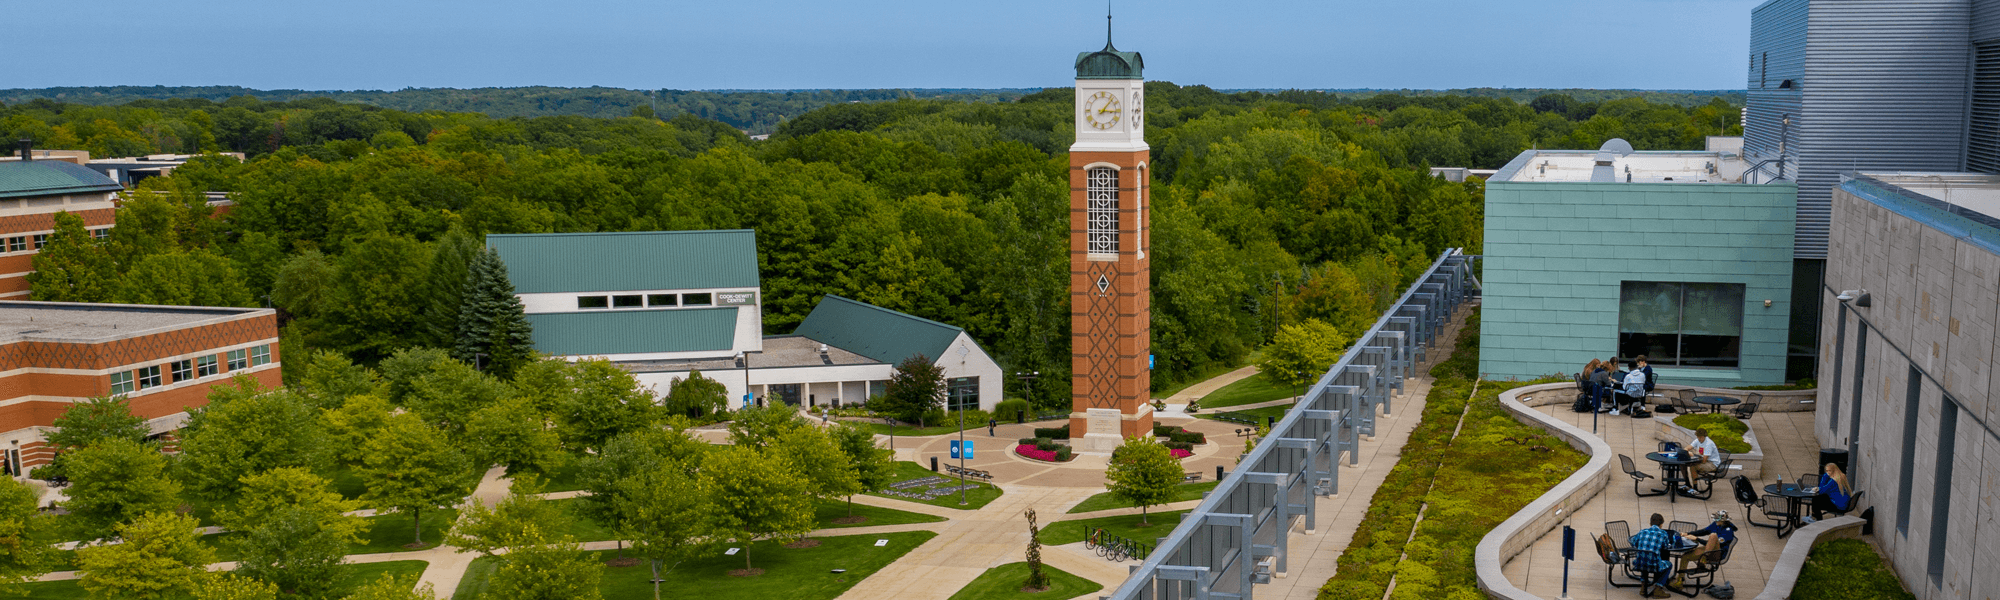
(967, 546)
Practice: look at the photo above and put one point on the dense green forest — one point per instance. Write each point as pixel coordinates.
(754, 111)
(1270, 209)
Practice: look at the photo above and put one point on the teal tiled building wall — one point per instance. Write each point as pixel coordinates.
(1557, 252)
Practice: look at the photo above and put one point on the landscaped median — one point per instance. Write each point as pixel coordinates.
(1004, 583)
(976, 495)
(791, 573)
(1471, 483)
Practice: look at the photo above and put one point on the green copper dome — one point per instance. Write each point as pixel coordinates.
(1109, 63)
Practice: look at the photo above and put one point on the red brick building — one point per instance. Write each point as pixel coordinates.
(31, 193)
(163, 359)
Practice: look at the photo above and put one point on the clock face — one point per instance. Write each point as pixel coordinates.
(1101, 110)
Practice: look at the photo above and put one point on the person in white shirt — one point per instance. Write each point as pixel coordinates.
(1705, 449)
(1633, 394)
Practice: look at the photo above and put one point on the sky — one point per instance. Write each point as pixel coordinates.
(796, 44)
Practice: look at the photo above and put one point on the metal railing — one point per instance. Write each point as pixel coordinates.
(1239, 534)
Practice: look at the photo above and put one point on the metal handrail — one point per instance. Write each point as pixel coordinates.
(1238, 536)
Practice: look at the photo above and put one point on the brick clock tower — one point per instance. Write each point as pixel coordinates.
(1110, 275)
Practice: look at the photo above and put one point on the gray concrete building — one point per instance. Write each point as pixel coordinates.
(1908, 376)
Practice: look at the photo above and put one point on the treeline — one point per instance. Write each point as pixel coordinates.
(756, 111)
(1269, 209)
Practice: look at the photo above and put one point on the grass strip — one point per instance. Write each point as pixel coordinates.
(1107, 501)
(1158, 524)
(1847, 570)
(1004, 583)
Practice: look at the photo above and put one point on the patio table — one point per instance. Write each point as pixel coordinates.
(1673, 471)
(1715, 403)
(1795, 499)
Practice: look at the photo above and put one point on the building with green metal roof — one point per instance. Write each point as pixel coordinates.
(666, 304)
(31, 193)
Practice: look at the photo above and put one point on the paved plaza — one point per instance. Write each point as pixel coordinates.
(1786, 439)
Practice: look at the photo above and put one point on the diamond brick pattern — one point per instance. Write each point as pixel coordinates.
(58, 355)
(1101, 339)
(31, 223)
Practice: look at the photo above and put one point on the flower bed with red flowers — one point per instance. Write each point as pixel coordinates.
(1179, 453)
(1060, 454)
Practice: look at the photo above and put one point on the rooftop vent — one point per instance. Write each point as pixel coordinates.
(1606, 155)
(27, 149)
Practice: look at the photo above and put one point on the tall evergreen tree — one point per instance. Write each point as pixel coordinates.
(73, 267)
(491, 320)
(449, 272)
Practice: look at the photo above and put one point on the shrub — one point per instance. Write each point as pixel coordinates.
(1012, 410)
(1172, 445)
(1054, 433)
(1160, 430)
(1046, 445)
(1727, 431)
(1028, 441)
(1063, 454)
(1060, 454)
(1191, 437)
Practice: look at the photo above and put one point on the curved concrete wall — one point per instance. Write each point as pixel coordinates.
(1521, 530)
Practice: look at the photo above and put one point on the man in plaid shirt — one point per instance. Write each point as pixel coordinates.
(1649, 550)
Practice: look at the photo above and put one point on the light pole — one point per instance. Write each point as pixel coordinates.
(1028, 380)
(962, 451)
(743, 358)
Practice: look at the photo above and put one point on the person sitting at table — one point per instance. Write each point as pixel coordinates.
(1719, 532)
(1633, 395)
(1649, 550)
(1833, 495)
(1648, 370)
(1590, 385)
(1702, 447)
(1600, 385)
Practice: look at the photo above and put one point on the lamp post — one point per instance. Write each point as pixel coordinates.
(743, 358)
(1028, 381)
(962, 451)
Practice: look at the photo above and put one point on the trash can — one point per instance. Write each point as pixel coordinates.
(933, 464)
(1836, 456)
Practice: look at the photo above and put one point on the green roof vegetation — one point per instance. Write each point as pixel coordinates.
(50, 177)
(875, 332)
(643, 260)
(634, 331)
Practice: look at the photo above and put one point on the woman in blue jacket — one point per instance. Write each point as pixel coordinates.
(1834, 495)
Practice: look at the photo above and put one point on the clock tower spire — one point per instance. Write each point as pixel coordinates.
(1110, 274)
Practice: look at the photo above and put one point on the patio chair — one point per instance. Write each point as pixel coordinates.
(1704, 485)
(1682, 402)
(1620, 533)
(1699, 576)
(1746, 495)
(1853, 504)
(1744, 410)
(1638, 477)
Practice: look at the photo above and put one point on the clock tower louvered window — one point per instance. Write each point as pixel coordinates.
(1103, 212)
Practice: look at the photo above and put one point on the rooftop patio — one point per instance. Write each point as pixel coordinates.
(1787, 442)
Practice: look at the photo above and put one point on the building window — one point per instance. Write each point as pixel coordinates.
(183, 370)
(592, 302)
(1912, 401)
(703, 299)
(149, 377)
(1681, 324)
(962, 393)
(17, 243)
(1103, 210)
(41, 239)
(877, 388)
(206, 365)
(663, 300)
(1947, 446)
(121, 383)
(100, 233)
(633, 301)
(1982, 132)
(239, 360)
(260, 355)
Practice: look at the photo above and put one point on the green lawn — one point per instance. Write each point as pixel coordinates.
(793, 574)
(347, 482)
(566, 479)
(828, 511)
(1274, 412)
(356, 576)
(1250, 390)
(1105, 501)
(1004, 583)
(951, 426)
(975, 498)
(386, 533)
(1199, 376)
(1065, 532)
(1847, 570)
